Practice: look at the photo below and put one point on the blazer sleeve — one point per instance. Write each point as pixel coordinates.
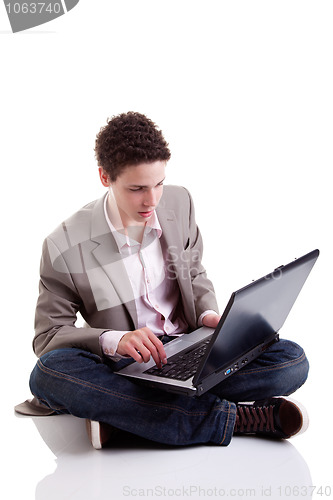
(56, 311)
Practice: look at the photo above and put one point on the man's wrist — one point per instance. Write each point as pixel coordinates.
(109, 341)
(202, 315)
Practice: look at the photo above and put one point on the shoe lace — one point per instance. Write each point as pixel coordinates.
(253, 419)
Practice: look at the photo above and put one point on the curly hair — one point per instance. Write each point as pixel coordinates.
(129, 139)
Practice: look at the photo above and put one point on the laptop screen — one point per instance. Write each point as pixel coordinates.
(255, 313)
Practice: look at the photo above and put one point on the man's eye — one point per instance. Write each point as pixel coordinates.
(133, 190)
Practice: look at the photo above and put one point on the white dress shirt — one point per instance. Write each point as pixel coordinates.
(156, 292)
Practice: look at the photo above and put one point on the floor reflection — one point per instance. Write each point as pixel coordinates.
(249, 467)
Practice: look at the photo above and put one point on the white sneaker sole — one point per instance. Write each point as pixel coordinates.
(95, 435)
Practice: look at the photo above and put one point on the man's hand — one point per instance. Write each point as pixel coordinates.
(140, 345)
(211, 320)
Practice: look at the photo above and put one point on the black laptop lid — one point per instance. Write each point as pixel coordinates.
(255, 314)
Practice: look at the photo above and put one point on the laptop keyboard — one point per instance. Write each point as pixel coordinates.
(181, 366)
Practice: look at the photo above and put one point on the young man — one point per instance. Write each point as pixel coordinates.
(130, 264)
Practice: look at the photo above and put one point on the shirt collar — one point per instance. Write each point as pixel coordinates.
(115, 224)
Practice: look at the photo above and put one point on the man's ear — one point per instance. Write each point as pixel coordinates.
(105, 180)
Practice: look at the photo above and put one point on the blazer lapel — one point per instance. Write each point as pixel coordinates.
(111, 269)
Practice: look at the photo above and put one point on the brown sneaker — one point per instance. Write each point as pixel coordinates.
(100, 433)
(278, 418)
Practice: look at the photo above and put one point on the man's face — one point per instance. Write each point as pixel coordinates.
(137, 191)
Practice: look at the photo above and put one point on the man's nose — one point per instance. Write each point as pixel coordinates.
(150, 198)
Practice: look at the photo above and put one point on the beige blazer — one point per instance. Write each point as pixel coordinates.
(82, 272)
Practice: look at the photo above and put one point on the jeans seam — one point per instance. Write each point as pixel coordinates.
(83, 383)
(277, 366)
(226, 424)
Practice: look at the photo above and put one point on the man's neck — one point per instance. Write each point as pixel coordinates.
(133, 230)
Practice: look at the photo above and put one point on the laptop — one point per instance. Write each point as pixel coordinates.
(251, 322)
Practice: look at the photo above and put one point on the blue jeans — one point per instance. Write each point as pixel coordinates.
(82, 384)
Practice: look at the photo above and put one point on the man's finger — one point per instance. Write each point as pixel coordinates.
(160, 350)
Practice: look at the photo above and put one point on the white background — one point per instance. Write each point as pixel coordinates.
(243, 93)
